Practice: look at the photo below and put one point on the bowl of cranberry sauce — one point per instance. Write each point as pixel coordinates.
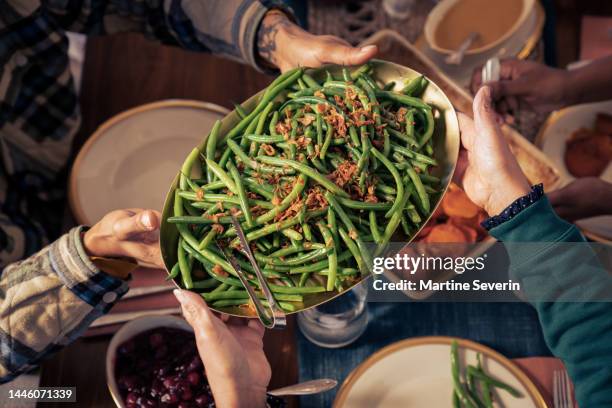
(153, 362)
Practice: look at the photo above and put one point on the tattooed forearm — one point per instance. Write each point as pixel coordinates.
(267, 36)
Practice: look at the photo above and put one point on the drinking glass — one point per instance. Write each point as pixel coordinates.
(339, 322)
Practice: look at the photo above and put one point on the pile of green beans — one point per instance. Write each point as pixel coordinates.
(475, 390)
(315, 172)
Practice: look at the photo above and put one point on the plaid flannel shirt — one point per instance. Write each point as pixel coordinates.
(50, 298)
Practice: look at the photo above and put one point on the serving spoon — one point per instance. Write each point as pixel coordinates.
(457, 56)
(306, 388)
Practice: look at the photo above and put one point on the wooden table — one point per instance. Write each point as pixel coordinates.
(122, 72)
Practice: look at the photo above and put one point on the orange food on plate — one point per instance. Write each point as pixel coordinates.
(470, 233)
(457, 204)
(456, 220)
(446, 233)
(589, 151)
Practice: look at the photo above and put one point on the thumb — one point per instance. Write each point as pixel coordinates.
(346, 55)
(195, 309)
(485, 119)
(143, 221)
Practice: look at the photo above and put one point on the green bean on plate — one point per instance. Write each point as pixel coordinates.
(319, 178)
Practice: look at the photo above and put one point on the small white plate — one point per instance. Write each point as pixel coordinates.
(417, 373)
(552, 139)
(132, 158)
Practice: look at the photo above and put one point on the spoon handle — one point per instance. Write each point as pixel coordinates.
(306, 388)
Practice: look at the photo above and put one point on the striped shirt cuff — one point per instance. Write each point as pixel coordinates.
(76, 271)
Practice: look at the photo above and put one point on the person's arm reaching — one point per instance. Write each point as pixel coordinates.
(544, 88)
(567, 285)
(50, 298)
(261, 33)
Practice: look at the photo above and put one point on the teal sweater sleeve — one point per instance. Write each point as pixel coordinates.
(553, 275)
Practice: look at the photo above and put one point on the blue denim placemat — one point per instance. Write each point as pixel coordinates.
(510, 328)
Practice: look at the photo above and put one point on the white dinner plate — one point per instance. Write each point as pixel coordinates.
(552, 140)
(133, 157)
(417, 373)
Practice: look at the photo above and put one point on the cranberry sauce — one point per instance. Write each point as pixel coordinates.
(161, 368)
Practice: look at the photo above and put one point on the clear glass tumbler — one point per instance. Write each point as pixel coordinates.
(337, 323)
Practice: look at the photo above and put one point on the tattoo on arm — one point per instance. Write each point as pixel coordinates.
(266, 37)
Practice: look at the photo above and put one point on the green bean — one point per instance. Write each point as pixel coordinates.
(361, 95)
(271, 228)
(174, 272)
(244, 201)
(399, 185)
(326, 143)
(332, 256)
(239, 302)
(186, 168)
(374, 228)
(457, 384)
(273, 122)
(292, 234)
(364, 205)
(310, 81)
(389, 86)
(429, 129)
(415, 155)
(265, 138)
(319, 127)
(307, 170)
(298, 187)
(403, 99)
(183, 229)
(253, 163)
(200, 220)
(420, 189)
(480, 375)
(211, 147)
(316, 266)
(307, 231)
(297, 260)
(205, 284)
(205, 242)
(269, 95)
(258, 188)
(240, 111)
(393, 222)
(412, 85)
(222, 175)
(311, 100)
(184, 266)
(243, 294)
(221, 288)
(353, 248)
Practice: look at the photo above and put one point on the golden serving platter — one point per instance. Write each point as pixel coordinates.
(446, 140)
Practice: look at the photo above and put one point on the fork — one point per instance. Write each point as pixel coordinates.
(562, 390)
